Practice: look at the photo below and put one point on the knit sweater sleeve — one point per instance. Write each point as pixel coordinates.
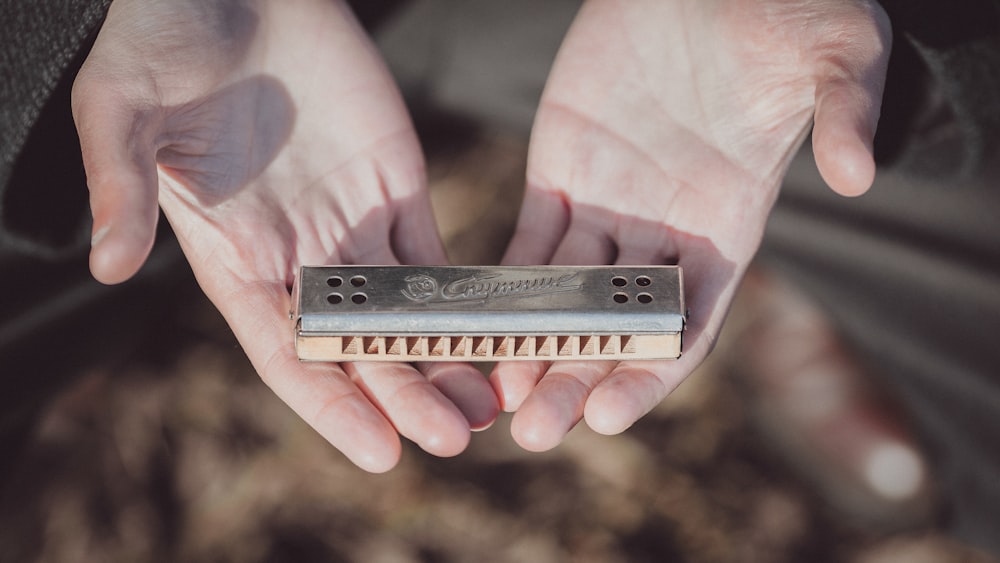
(41, 46)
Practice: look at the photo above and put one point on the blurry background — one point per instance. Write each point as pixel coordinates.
(167, 446)
(175, 451)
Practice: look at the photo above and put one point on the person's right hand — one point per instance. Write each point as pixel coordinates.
(272, 137)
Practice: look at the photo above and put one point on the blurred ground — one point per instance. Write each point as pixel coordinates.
(179, 453)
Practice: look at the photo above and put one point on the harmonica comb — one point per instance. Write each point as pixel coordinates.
(488, 313)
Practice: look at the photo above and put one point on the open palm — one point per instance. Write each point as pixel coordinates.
(271, 137)
(663, 134)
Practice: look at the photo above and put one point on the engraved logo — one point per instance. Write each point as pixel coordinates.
(480, 288)
(420, 287)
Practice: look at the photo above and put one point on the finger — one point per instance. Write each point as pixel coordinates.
(845, 121)
(119, 159)
(322, 394)
(415, 237)
(587, 239)
(629, 392)
(584, 245)
(640, 243)
(540, 230)
(557, 404)
(633, 388)
(462, 383)
(513, 381)
(467, 389)
(632, 255)
(365, 249)
(540, 226)
(414, 405)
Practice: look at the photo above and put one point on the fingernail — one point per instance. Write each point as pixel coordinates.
(99, 235)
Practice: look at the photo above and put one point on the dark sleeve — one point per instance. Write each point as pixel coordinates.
(955, 44)
(43, 197)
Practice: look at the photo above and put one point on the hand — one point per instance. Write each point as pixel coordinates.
(663, 134)
(272, 136)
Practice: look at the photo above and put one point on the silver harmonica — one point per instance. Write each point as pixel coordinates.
(488, 313)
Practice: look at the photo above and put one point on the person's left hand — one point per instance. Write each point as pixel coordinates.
(663, 135)
(272, 137)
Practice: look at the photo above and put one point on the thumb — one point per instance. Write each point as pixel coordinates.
(120, 162)
(848, 104)
(846, 116)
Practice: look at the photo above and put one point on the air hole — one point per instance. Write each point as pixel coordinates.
(619, 281)
(628, 345)
(564, 345)
(335, 281)
(543, 345)
(335, 298)
(644, 298)
(501, 345)
(359, 298)
(620, 298)
(643, 281)
(358, 281)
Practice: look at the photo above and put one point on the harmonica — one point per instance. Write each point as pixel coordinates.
(488, 313)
